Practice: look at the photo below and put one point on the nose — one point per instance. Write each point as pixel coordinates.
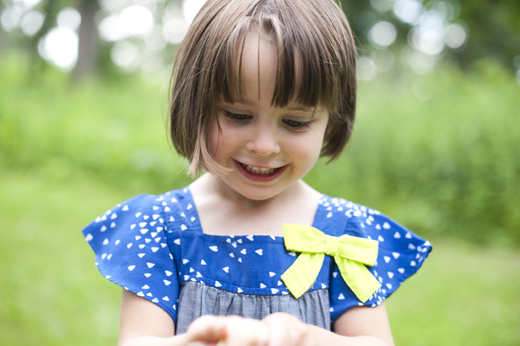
(263, 141)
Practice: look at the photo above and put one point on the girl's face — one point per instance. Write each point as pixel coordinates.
(268, 149)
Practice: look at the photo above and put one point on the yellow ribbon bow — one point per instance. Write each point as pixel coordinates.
(350, 253)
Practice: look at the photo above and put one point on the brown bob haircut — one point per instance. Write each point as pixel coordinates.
(313, 33)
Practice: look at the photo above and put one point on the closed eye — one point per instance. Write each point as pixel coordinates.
(293, 124)
(236, 117)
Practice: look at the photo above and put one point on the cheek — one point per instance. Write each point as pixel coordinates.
(307, 148)
(213, 136)
(222, 142)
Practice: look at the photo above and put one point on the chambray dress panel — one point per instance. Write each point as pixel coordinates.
(153, 245)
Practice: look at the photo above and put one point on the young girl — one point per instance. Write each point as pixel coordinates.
(249, 254)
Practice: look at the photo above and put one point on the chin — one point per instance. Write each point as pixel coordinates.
(257, 196)
(260, 194)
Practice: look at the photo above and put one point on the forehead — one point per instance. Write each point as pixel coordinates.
(259, 70)
(265, 71)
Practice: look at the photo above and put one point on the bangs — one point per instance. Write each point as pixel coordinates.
(314, 65)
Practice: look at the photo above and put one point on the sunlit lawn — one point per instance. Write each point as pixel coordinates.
(51, 293)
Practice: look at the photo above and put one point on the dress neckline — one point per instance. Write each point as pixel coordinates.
(319, 216)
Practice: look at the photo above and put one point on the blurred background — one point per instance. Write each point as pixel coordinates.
(83, 103)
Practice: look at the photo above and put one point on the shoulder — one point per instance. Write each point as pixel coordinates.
(400, 252)
(130, 242)
(144, 216)
(362, 221)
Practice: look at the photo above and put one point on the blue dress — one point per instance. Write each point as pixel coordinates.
(153, 246)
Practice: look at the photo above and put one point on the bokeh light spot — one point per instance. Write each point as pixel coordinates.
(10, 18)
(135, 20)
(112, 5)
(427, 41)
(381, 5)
(28, 3)
(69, 18)
(382, 34)
(175, 25)
(109, 29)
(60, 47)
(366, 69)
(32, 22)
(432, 20)
(125, 54)
(132, 21)
(190, 8)
(155, 39)
(407, 11)
(454, 35)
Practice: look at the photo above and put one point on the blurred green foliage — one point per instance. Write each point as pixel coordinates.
(493, 28)
(112, 129)
(444, 165)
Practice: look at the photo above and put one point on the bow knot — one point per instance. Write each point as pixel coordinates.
(331, 245)
(351, 255)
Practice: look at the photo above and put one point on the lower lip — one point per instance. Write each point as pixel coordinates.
(261, 178)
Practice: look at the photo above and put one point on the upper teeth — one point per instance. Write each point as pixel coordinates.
(258, 170)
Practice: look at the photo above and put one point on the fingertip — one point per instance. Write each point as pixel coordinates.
(206, 328)
(220, 326)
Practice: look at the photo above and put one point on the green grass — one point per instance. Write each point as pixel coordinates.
(53, 295)
(464, 295)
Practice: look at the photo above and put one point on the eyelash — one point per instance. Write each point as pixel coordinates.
(292, 124)
(297, 124)
(236, 117)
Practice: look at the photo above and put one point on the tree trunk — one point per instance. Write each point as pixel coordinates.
(88, 41)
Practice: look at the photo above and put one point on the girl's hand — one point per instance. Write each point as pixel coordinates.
(230, 330)
(205, 330)
(279, 329)
(287, 330)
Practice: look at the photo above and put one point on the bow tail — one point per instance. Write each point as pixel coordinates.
(302, 274)
(358, 278)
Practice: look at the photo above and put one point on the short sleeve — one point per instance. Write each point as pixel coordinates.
(400, 254)
(131, 250)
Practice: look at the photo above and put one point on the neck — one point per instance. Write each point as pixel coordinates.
(212, 185)
(224, 211)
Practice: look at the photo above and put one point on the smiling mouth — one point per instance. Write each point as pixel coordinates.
(258, 170)
(259, 174)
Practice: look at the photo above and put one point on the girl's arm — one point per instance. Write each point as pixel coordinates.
(144, 323)
(368, 321)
